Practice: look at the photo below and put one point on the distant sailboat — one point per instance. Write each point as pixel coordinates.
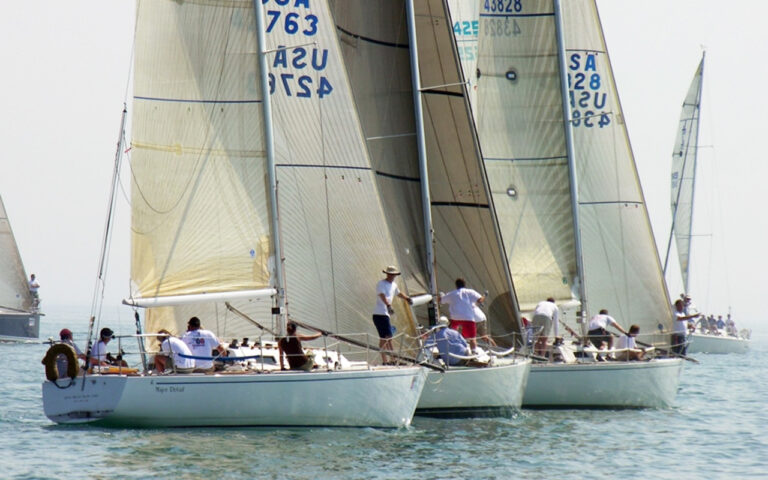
(684, 163)
(430, 158)
(567, 195)
(19, 315)
(238, 195)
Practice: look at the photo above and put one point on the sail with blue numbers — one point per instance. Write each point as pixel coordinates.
(201, 221)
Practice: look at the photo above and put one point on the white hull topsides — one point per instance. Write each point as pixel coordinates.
(702, 343)
(470, 390)
(377, 397)
(610, 384)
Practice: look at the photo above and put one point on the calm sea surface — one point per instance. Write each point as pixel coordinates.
(717, 429)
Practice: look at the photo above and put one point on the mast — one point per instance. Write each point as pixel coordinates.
(571, 159)
(697, 115)
(423, 171)
(270, 150)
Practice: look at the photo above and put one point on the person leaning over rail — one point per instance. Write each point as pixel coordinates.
(174, 354)
(202, 343)
(597, 329)
(290, 345)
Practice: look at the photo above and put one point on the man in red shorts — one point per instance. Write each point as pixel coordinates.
(461, 307)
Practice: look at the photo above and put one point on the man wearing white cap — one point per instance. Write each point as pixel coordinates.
(386, 290)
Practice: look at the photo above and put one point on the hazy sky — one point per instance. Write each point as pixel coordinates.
(65, 72)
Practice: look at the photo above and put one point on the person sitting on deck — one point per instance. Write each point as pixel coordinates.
(629, 347)
(174, 354)
(448, 341)
(290, 345)
(202, 343)
(99, 354)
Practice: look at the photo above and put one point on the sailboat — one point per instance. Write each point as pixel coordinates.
(684, 161)
(404, 72)
(252, 188)
(567, 195)
(19, 314)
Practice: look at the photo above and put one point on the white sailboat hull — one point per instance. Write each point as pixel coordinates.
(469, 390)
(650, 384)
(700, 343)
(358, 398)
(19, 327)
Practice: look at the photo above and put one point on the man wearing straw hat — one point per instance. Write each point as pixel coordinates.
(386, 290)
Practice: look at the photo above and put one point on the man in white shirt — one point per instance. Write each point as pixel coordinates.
(628, 345)
(202, 343)
(99, 354)
(461, 307)
(679, 344)
(545, 315)
(597, 329)
(171, 358)
(386, 290)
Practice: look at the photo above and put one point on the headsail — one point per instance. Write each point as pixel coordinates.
(520, 125)
(621, 261)
(523, 138)
(14, 291)
(377, 57)
(684, 173)
(199, 212)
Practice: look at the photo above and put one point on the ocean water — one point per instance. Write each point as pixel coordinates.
(716, 430)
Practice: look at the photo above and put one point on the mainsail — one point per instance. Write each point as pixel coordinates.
(200, 206)
(14, 292)
(523, 137)
(466, 240)
(684, 174)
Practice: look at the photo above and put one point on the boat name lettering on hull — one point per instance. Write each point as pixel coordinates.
(169, 389)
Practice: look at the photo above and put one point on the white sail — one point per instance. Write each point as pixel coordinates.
(200, 215)
(523, 139)
(684, 172)
(334, 230)
(14, 290)
(466, 242)
(621, 262)
(465, 19)
(200, 218)
(522, 135)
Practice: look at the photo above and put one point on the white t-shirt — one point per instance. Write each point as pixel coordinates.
(681, 326)
(461, 303)
(201, 343)
(601, 320)
(389, 290)
(176, 346)
(549, 310)
(99, 351)
(626, 342)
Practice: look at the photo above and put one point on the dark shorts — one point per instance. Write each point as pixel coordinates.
(383, 326)
(598, 336)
